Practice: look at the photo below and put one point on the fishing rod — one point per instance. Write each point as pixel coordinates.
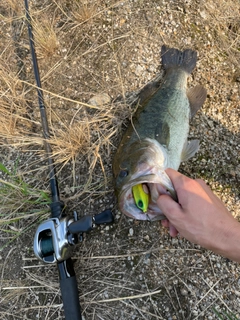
(55, 237)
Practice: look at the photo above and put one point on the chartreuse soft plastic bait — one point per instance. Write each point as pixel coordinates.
(141, 196)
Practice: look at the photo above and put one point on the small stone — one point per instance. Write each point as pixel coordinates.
(99, 99)
(131, 232)
(237, 293)
(67, 190)
(147, 238)
(124, 64)
(174, 241)
(117, 217)
(139, 70)
(232, 173)
(183, 292)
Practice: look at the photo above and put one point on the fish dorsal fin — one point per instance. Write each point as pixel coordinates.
(189, 149)
(196, 97)
(147, 92)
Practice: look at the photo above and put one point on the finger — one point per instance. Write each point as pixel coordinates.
(165, 223)
(178, 179)
(173, 173)
(168, 206)
(172, 231)
(175, 176)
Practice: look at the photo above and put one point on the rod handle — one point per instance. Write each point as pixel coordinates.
(70, 298)
(69, 290)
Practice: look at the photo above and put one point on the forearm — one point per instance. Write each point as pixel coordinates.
(229, 242)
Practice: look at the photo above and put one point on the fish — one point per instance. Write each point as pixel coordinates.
(157, 138)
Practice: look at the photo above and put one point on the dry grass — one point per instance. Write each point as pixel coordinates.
(45, 36)
(225, 24)
(13, 109)
(90, 47)
(83, 11)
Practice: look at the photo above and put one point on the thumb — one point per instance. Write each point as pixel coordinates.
(168, 206)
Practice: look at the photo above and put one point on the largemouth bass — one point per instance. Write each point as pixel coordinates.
(157, 139)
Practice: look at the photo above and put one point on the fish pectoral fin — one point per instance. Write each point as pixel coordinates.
(189, 149)
(196, 97)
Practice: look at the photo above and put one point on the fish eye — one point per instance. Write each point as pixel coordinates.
(123, 173)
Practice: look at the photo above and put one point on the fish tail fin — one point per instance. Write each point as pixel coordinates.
(172, 58)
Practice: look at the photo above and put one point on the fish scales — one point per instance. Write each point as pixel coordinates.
(165, 117)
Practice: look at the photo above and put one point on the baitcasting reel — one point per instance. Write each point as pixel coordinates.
(55, 238)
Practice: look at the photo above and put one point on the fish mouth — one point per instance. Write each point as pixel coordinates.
(157, 182)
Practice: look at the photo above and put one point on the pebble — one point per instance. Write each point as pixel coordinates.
(99, 100)
(130, 232)
(174, 241)
(139, 70)
(184, 292)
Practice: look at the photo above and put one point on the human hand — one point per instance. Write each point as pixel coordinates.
(200, 216)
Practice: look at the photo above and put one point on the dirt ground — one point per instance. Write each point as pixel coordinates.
(111, 49)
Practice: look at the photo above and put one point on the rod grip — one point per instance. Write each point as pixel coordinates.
(69, 290)
(70, 298)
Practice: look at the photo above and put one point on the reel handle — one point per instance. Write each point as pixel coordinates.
(86, 223)
(104, 217)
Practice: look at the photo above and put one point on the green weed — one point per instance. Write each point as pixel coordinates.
(20, 204)
(225, 315)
